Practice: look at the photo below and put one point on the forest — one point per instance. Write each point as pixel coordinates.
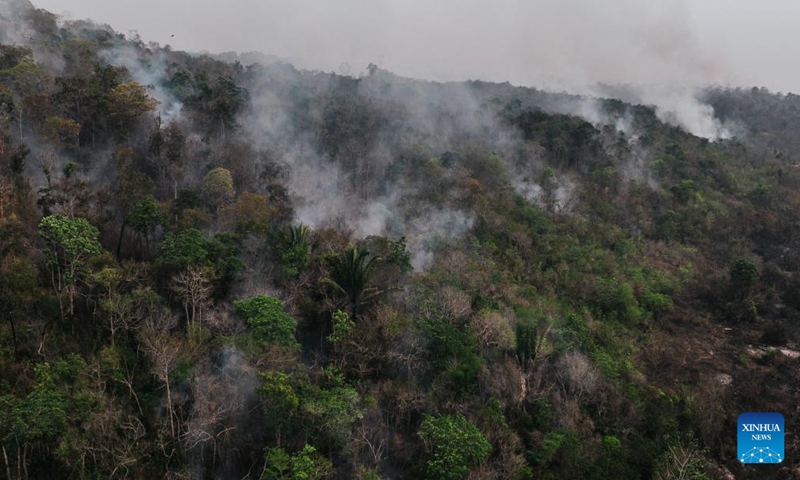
(218, 270)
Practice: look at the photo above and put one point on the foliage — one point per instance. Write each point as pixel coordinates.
(559, 267)
(743, 273)
(184, 248)
(306, 464)
(147, 214)
(453, 445)
(324, 411)
(350, 275)
(72, 240)
(342, 326)
(218, 187)
(295, 249)
(127, 102)
(253, 213)
(331, 410)
(267, 320)
(453, 350)
(63, 132)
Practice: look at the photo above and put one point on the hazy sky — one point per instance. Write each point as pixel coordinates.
(529, 42)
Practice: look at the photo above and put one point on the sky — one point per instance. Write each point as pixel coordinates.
(557, 44)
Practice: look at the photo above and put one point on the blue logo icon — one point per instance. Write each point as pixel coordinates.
(760, 438)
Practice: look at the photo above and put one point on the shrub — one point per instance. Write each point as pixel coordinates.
(454, 445)
(268, 321)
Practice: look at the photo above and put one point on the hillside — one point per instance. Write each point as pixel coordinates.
(220, 270)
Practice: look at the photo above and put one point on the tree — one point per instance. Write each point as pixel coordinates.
(454, 445)
(146, 216)
(218, 187)
(295, 249)
(70, 243)
(306, 464)
(127, 103)
(350, 275)
(121, 310)
(62, 132)
(17, 286)
(267, 320)
(325, 410)
(252, 213)
(219, 101)
(26, 79)
(744, 274)
(133, 189)
(13, 55)
(682, 459)
(167, 152)
(164, 352)
(40, 419)
(184, 248)
(194, 287)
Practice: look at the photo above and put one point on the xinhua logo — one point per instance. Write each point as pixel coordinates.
(760, 438)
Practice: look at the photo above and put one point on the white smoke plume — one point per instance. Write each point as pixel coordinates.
(148, 68)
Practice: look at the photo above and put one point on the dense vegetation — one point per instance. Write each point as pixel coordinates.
(211, 270)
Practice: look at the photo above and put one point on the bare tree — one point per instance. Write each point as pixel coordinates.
(164, 352)
(576, 375)
(193, 286)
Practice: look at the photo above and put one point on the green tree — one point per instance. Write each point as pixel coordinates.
(324, 410)
(350, 275)
(217, 256)
(184, 248)
(295, 249)
(133, 188)
(146, 216)
(39, 419)
(218, 187)
(306, 464)
(268, 321)
(329, 412)
(453, 445)
(70, 243)
(743, 274)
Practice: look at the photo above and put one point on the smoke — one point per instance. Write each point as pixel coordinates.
(354, 190)
(677, 105)
(560, 197)
(148, 68)
(434, 228)
(668, 48)
(13, 18)
(221, 419)
(682, 108)
(575, 45)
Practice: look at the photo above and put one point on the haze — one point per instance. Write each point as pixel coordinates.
(561, 45)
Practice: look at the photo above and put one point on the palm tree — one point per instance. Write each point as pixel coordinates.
(298, 235)
(294, 256)
(350, 274)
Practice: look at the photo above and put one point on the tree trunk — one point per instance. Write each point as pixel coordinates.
(169, 401)
(121, 232)
(5, 458)
(13, 334)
